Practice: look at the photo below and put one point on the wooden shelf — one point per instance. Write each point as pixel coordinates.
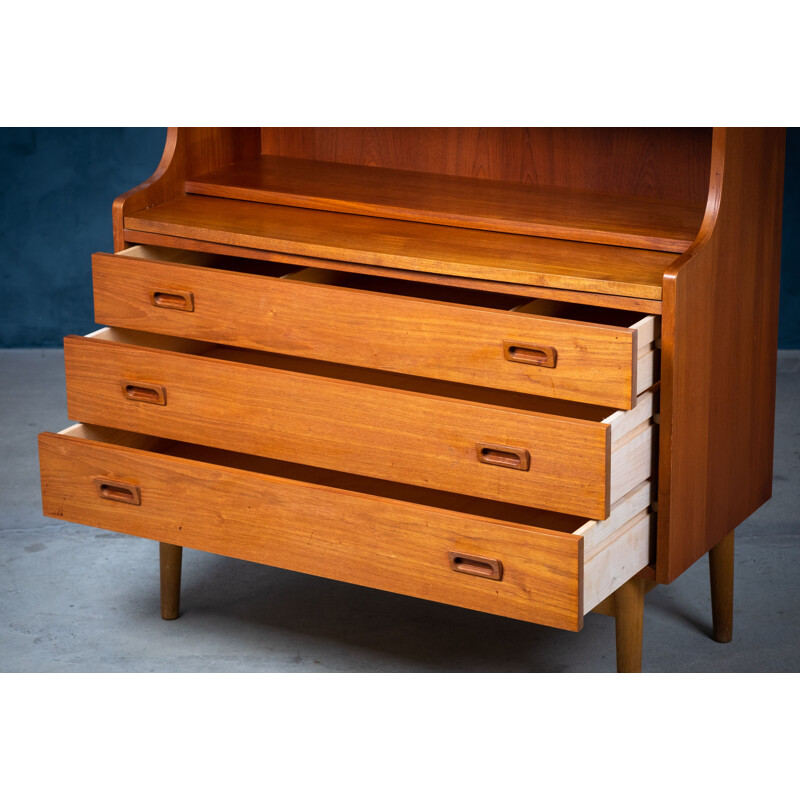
(414, 246)
(623, 220)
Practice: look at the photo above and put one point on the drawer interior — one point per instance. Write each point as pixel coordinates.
(404, 288)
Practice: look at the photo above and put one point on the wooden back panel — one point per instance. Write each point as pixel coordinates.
(668, 163)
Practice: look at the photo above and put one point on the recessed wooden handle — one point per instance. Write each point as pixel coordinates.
(501, 455)
(144, 392)
(478, 566)
(118, 491)
(535, 355)
(173, 299)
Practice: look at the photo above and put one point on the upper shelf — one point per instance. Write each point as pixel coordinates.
(486, 255)
(556, 213)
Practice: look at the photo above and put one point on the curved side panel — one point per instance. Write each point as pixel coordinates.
(188, 153)
(707, 226)
(719, 345)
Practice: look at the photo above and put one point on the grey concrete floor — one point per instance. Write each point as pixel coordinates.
(78, 599)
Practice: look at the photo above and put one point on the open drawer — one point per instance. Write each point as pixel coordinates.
(563, 350)
(561, 456)
(517, 562)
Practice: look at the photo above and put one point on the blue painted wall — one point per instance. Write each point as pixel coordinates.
(57, 189)
(789, 314)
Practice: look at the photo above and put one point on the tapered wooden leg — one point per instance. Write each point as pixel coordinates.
(720, 563)
(171, 556)
(629, 613)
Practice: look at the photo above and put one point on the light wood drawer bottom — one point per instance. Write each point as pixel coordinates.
(532, 565)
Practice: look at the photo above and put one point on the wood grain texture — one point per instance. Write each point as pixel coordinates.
(415, 246)
(668, 163)
(719, 350)
(620, 422)
(517, 289)
(625, 555)
(628, 425)
(368, 540)
(554, 212)
(608, 607)
(629, 614)
(387, 329)
(170, 560)
(721, 571)
(619, 547)
(337, 424)
(631, 462)
(187, 152)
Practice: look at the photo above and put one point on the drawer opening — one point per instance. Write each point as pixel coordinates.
(197, 258)
(394, 286)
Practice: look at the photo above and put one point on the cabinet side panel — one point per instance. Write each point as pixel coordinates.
(719, 351)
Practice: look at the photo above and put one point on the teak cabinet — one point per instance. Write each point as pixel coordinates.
(524, 371)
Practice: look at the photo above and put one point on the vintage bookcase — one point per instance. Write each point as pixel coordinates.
(527, 371)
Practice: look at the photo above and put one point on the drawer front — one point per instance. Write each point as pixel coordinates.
(439, 442)
(372, 541)
(542, 355)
